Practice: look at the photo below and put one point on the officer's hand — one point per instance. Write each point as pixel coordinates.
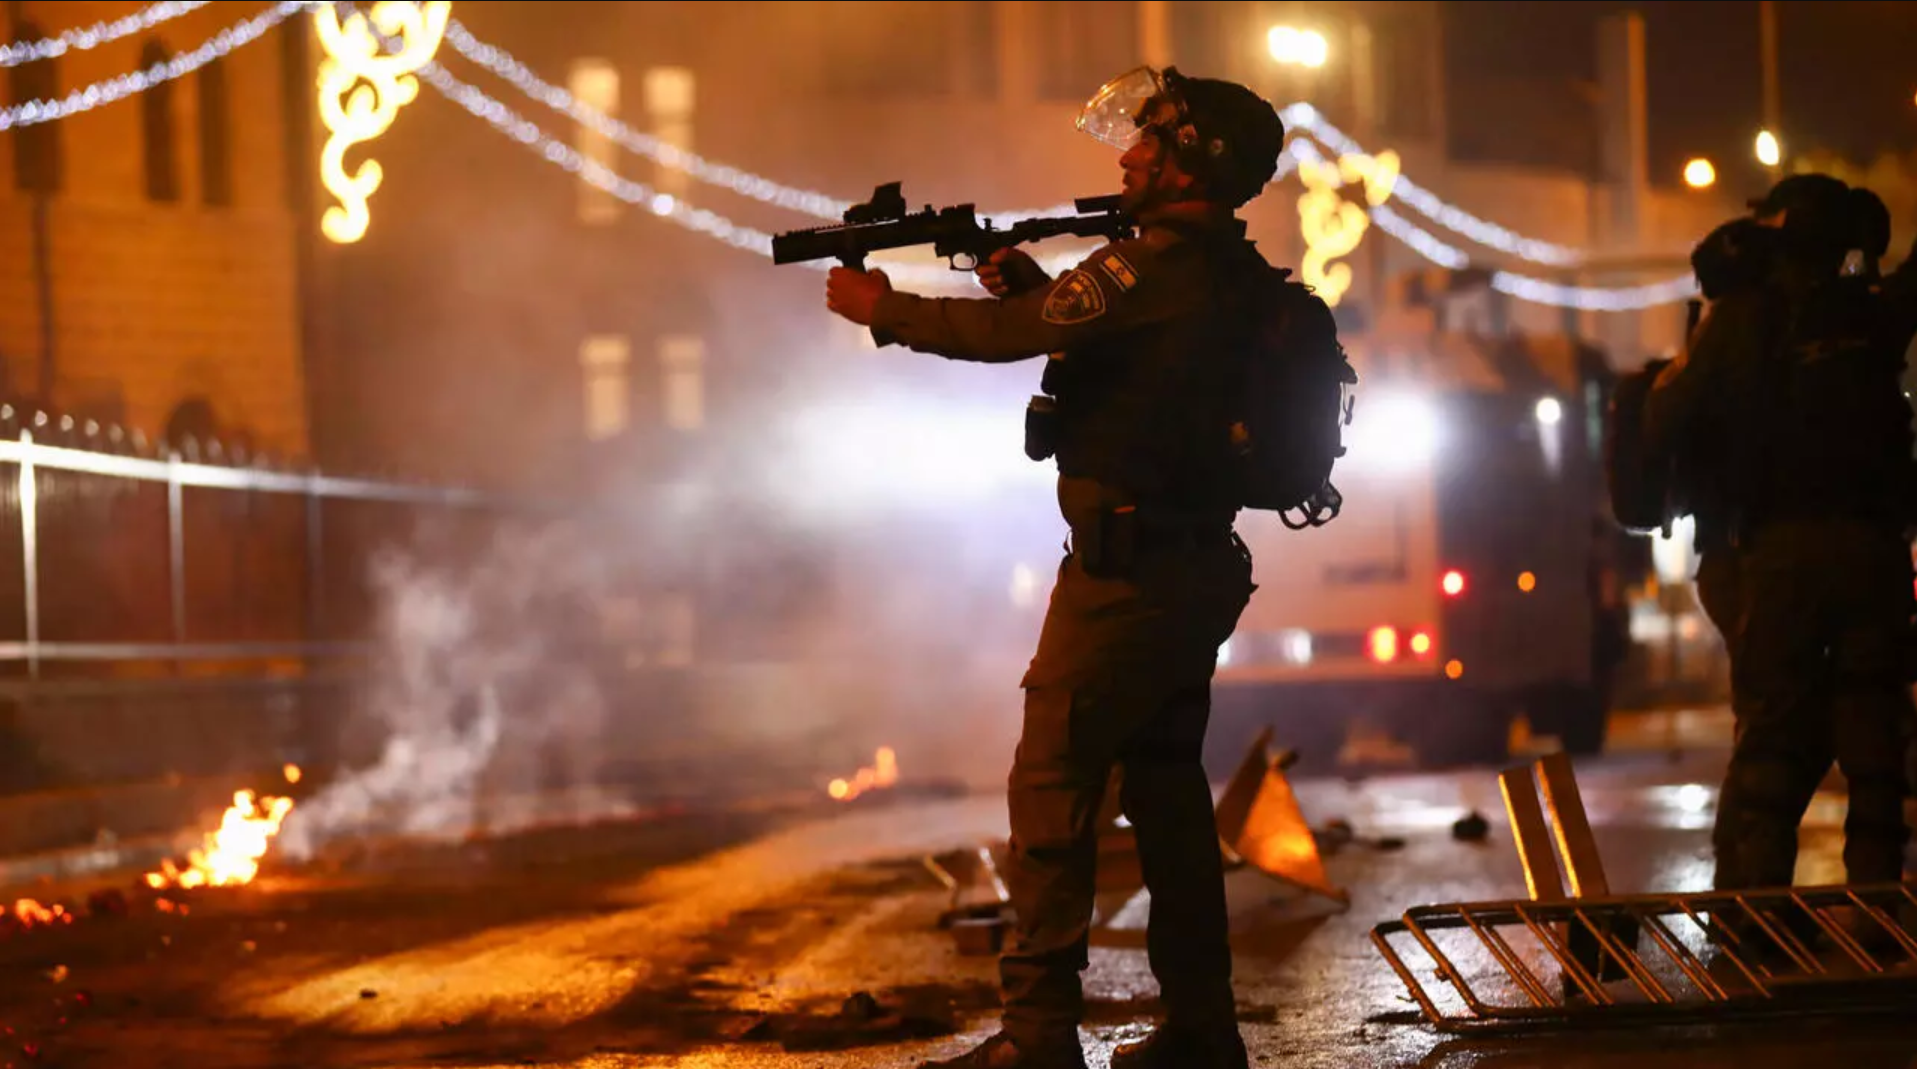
(1010, 271)
(854, 294)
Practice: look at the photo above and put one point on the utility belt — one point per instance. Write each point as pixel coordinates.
(1113, 542)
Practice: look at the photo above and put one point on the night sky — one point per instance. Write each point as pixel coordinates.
(1848, 68)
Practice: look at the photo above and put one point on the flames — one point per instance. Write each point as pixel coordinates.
(31, 914)
(883, 773)
(230, 856)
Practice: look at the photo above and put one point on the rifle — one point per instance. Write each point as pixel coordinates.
(954, 233)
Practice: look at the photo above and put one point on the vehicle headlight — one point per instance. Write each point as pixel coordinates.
(1393, 431)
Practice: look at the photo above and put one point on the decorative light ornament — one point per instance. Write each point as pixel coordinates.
(1332, 226)
(361, 89)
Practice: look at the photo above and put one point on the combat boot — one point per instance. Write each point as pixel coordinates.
(1171, 1047)
(1002, 1052)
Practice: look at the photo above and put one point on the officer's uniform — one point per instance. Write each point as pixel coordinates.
(1811, 588)
(1152, 585)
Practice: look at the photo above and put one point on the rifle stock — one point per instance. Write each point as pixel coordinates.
(954, 233)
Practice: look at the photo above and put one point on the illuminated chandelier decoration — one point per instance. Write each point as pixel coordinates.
(1332, 226)
(361, 89)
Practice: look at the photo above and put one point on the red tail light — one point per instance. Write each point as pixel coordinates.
(1453, 583)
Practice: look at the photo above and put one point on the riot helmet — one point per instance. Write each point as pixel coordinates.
(1220, 132)
(1818, 214)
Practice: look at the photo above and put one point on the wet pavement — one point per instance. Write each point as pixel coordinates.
(683, 942)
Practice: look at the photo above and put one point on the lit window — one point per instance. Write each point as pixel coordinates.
(605, 367)
(595, 85)
(682, 359)
(669, 104)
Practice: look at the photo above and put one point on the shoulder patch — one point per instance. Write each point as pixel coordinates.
(1120, 270)
(1075, 299)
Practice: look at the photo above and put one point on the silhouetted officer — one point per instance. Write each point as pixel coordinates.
(1788, 418)
(1155, 578)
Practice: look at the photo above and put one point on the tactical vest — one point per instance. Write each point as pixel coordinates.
(1146, 412)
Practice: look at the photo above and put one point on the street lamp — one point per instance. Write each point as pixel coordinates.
(1294, 47)
(1769, 152)
(1699, 174)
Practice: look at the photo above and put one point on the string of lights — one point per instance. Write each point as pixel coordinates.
(746, 184)
(122, 86)
(1523, 287)
(83, 38)
(757, 187)
(712, 224)
(663, 205)
(1303, 116)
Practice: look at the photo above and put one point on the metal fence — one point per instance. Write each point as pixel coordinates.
(118, 560)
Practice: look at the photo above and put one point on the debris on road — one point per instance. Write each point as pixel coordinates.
(864, 1020)
(1471, 828)
(979, 912)
(1260, 823)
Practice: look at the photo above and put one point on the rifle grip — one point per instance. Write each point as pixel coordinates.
(853, 260)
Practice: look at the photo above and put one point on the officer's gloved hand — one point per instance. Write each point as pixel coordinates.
(1010, 272)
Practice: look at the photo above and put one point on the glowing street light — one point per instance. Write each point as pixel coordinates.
(1298, 48)
(1699, 174)
(1769, 152)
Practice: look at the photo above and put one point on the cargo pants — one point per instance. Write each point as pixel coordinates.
(1122, 677)
(1816, 615)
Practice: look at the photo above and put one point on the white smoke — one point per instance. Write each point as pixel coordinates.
(856, 583)
(477, 697)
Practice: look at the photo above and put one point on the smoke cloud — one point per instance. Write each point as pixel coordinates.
(750, 628)
(485, 719)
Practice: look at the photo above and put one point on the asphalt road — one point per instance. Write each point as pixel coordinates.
(684, 941)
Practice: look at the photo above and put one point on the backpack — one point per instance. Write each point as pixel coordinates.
(1640, 485)
(1294, 404)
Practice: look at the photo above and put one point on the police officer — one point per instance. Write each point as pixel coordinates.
(1154, 579)
(1787, 416)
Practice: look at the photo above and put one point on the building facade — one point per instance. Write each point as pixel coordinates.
(149, 264)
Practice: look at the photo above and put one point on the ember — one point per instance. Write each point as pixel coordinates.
(883, 773)
(231, 855)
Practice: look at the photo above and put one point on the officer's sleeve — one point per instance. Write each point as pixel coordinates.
(1733, 327)
(1121, 286)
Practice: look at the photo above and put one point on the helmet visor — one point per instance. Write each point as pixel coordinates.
(1118, 113)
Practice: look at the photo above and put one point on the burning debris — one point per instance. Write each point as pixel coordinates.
(883, 773)
(28, 913)
(230, 856)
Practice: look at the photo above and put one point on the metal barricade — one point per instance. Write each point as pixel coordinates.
(1710, 956)
(1576, 954)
